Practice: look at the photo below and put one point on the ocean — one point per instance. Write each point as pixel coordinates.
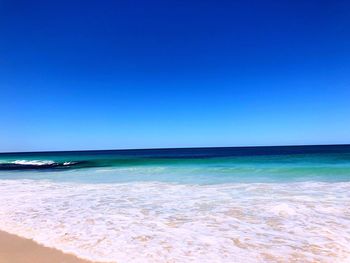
(240, 204)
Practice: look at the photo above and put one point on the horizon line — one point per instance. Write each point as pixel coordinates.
(176, 148)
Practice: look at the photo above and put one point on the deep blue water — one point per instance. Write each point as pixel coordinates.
(188, 165)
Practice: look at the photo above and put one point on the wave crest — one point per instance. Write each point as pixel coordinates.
(34, 164)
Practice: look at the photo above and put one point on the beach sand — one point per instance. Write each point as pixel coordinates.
(14, 249)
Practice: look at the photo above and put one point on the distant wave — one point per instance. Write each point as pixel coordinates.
(35, 164)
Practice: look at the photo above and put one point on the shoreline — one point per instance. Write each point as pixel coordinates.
(16, 249)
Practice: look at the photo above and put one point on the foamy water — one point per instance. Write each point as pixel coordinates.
(169, 222)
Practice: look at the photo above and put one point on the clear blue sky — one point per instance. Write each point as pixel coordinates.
(139, 74)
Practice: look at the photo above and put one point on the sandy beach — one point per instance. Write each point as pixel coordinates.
(14, 249)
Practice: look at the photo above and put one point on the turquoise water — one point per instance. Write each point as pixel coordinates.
(101, 167)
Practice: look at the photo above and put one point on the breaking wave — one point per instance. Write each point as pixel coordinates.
(35, 164)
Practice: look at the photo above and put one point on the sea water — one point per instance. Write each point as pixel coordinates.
(254, 204)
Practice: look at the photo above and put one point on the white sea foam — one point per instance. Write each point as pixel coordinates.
(33, 162)
(69, 163)
(161, 222)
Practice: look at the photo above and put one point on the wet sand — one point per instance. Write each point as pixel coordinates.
(14, 249)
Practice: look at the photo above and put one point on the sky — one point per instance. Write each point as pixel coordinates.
(78, 75)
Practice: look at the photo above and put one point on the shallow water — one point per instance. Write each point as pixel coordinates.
(286, 207)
